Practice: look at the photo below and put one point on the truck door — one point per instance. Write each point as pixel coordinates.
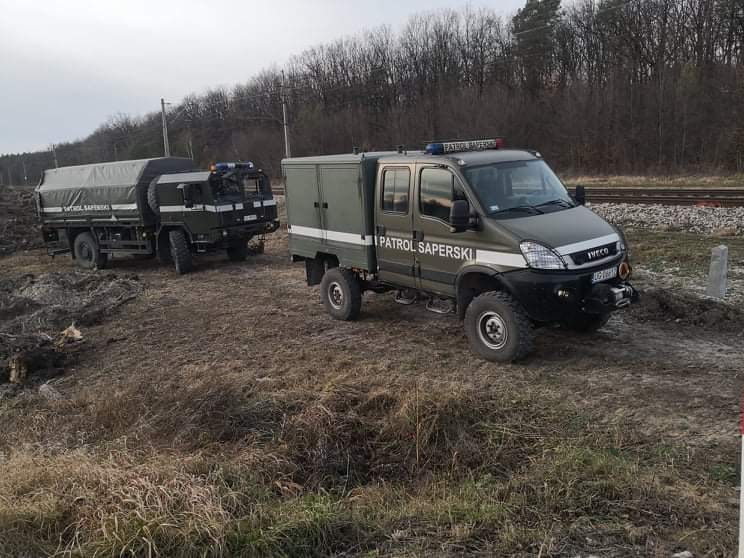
(303, 207)
(394, 240)
(440, 252)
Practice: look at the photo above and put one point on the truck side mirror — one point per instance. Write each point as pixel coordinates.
(188, 195)
(580, 195)
(459, 215)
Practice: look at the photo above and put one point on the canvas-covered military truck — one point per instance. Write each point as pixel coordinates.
(487, 232)
(154, 207)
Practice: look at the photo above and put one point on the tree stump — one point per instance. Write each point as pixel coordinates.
(18, 369)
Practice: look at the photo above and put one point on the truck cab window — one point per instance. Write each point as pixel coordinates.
(227, 186)
(395, 187)
(437, 192)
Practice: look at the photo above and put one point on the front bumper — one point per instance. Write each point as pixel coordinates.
(552, 296)
(247, 229)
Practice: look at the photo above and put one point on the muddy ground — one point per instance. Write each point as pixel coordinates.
(669, 370)
(19, 228)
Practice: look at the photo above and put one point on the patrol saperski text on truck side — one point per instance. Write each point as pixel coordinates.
(489, 232)
(152, 207)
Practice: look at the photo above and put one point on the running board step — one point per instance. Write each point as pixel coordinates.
(406, 297)
(440, 305)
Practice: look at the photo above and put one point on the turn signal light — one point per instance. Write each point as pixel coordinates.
(624, 271)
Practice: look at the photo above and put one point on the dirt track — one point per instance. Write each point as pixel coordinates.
(676, 381)
(670, 378)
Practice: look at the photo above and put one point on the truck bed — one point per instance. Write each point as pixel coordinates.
(115, 191)
(330, 202)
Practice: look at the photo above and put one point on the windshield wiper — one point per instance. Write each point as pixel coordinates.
(559, 201)
(526, 208)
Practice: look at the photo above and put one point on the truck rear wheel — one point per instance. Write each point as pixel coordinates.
(238, 251)
(497, 327)
(180, 252)
(87, 253)
(586, 323)
(341, 293)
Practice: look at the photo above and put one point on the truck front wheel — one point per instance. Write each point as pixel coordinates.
(180, 252)
(87, 254)
(497, 327)
(341, 293)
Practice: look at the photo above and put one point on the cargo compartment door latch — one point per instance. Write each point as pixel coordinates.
(418, 235)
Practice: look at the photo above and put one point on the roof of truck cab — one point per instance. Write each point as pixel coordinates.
(387, 157)
(484, 157)
(196, 176)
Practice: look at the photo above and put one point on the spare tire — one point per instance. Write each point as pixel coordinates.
(152, 197)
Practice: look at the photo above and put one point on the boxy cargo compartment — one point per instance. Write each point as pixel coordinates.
(114, 191)
(330, 204)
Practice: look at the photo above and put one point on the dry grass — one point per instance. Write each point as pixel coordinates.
(221, 467)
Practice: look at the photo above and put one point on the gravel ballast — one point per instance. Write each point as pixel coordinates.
(700, 220)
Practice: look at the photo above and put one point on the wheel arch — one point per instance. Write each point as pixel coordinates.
(165, 229)
(473, 280)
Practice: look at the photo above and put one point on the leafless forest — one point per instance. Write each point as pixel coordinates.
(614, 86)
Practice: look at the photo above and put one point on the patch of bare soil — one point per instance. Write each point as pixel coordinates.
(19, 227)
(688, 309)
(34, 309)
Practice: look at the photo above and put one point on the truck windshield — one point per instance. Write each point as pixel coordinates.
(518, 188)
(234, 186)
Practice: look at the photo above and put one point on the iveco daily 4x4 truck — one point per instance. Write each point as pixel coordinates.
(490, 232)
(152, 207)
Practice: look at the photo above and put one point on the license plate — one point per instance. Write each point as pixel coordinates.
(604, 275)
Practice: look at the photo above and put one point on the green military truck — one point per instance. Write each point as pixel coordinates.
(487, 232)
(154, 207)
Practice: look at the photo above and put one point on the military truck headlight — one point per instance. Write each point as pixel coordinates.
(539, 256)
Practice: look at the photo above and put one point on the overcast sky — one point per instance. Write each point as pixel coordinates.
(66, 66)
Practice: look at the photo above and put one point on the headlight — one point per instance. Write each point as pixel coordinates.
(622, 245)
(541, 257)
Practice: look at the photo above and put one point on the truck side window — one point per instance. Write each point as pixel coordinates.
(197, 193)
(395, 185)
(436, 193)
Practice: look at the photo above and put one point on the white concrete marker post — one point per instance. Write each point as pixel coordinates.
(718, 272)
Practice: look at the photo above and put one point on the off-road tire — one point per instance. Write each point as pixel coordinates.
(586, 323)
(180, 252)
(87, 253)
(238, 252)
(152, 198)
(498, 310)
(164, 250)
(341, 293)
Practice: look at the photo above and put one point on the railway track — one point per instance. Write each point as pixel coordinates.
(706, 197)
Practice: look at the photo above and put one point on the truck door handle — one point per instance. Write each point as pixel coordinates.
(316, 204)
(380, 230)
(418, 235)
(325, 205)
